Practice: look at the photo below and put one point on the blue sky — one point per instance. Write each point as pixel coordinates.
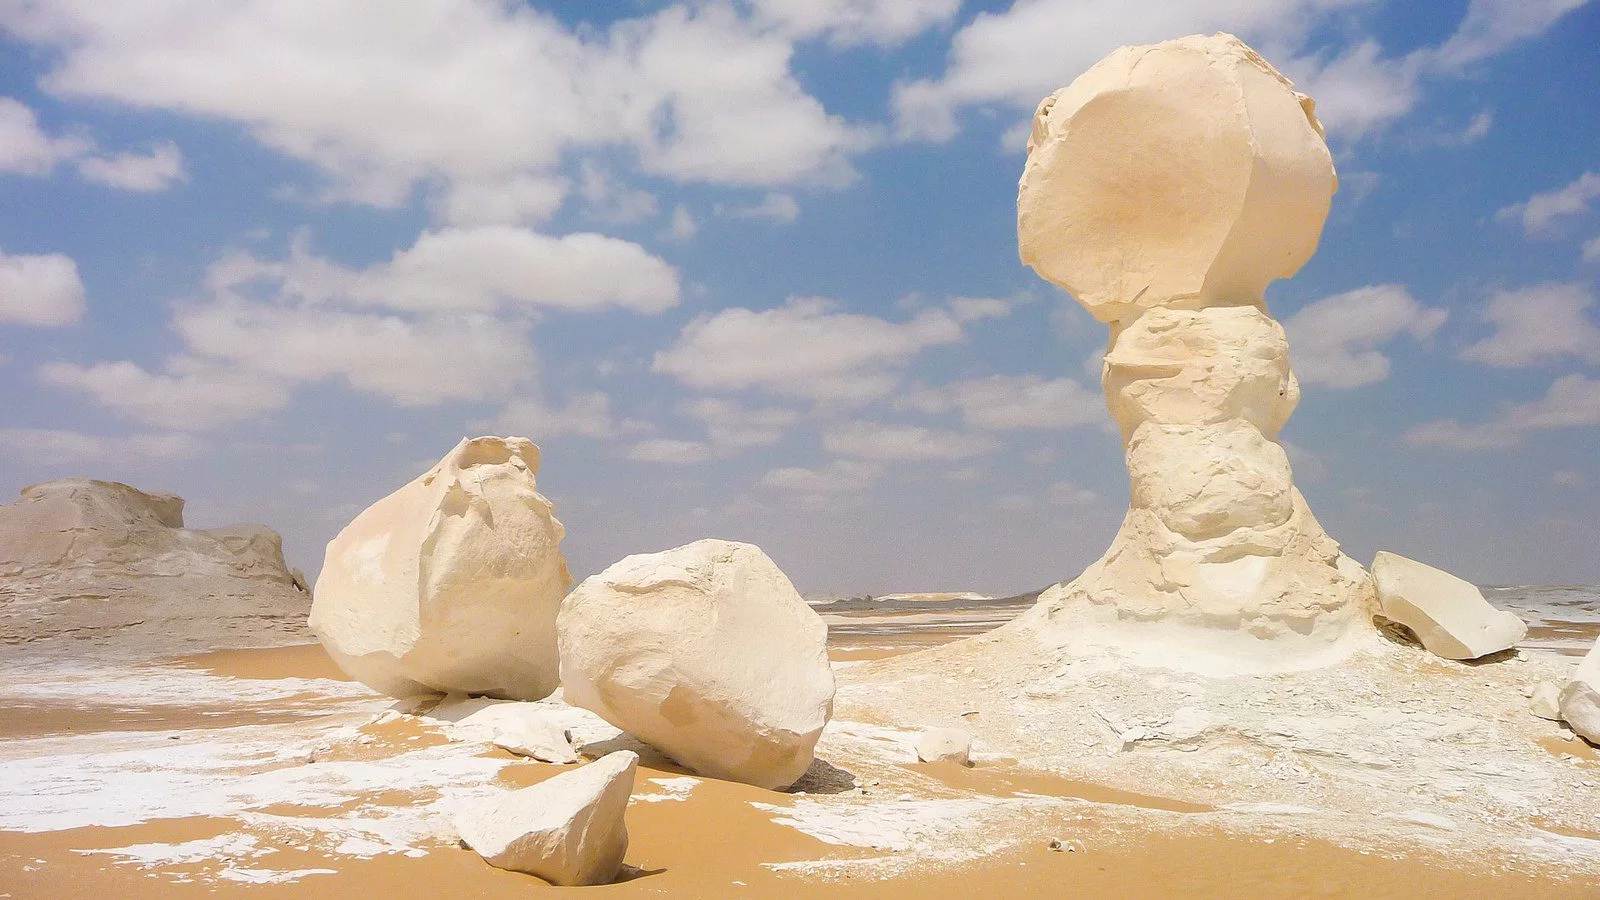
(748, 270)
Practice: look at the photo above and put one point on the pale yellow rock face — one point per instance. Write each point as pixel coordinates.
(1182, 174)
(707, 653)
(452, 583)
(1200, 367)
(1165, 188)
(1448, 615)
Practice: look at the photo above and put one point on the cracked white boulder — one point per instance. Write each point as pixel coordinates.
(1580, 698)
(705, 652)
(568, 830)
(1165, 188)
(452, 583)
(1448, 615)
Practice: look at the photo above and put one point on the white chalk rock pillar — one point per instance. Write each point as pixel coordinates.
(1165, 188)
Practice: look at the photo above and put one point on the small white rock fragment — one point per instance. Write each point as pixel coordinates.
(1187, 725)
(1133, 736)
(1448, 615)
(526, 729)
(944, 745)
(1580, 699)
(568, 830)
(1545, 701)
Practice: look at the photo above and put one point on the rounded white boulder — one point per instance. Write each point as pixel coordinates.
(944, 745)
(705, 652)
(452, 583)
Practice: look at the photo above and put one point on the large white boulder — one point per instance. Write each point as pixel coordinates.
(705, 652)
(452, 583)
(568, 830)
(1580, 699)
(1448, 615)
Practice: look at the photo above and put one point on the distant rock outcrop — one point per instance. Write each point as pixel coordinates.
(106, 563)
(707, 653)
(451, 583)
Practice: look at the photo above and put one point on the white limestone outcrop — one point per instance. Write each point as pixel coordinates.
(705, 652)
(1165, 188)
(567, 830)
(103, 562)
(944, 745)
(450, 584)
(1580, 698)
(1448, 615)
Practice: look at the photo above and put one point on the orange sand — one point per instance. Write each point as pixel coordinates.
(714, 842)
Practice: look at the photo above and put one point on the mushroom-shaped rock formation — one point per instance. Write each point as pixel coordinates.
(1165, 188)
(707, 653)
(452, 583)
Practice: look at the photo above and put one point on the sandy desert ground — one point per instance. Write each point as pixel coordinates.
(267, 773)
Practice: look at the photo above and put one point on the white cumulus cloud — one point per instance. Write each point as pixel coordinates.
(1540, 213)
(1573, 401)
(1539, 324)
(481, 269)
(803, 349)
(51, 446)
(886, 442)
(192, 397)
(25, 148)
(40, 289)
(671, 450)
(140, 172)
(842, 477)
(1002, 402)
(848, 22)
(1335, 341)
(468, 98)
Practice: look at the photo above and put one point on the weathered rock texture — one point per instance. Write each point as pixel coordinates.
(1449, 616)
(1580, 698)
(944, 745)
(104, 562)
(452, 583)
(568, 830)
(1545, 701)
(526, 729)
(1165, 188)
(705, 652)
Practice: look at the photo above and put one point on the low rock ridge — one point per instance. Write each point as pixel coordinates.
(100, 561)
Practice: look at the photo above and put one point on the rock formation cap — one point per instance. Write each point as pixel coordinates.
(1183, 174)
